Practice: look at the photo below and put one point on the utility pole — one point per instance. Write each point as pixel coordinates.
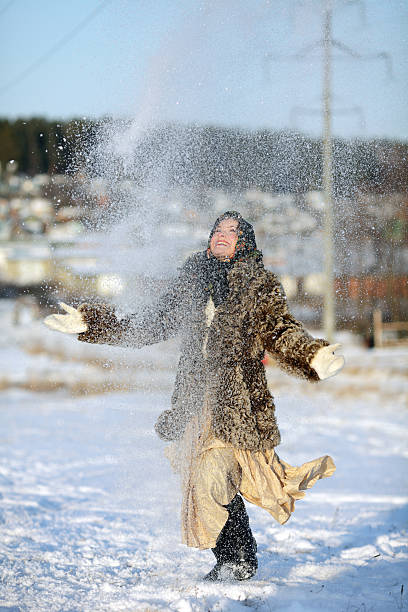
(326, 44)
(329, 308)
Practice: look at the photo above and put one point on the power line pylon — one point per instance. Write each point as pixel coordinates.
(327, 43)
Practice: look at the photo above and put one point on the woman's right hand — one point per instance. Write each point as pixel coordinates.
(70, 323)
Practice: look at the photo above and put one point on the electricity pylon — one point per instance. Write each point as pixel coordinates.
(327, 43)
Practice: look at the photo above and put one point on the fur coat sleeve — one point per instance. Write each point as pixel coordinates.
(284, 337)
(151, 324)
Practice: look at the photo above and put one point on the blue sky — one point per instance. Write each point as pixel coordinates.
(203, 62)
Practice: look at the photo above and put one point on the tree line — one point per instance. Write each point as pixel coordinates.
(206, 156)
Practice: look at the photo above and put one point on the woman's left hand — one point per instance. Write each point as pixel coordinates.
(326, 363)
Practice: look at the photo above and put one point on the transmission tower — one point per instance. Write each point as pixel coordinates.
(327, 43)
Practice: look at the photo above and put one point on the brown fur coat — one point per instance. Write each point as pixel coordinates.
(229, 374)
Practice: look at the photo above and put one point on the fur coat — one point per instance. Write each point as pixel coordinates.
(220, 363)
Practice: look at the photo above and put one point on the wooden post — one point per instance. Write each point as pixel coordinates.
(378, 328)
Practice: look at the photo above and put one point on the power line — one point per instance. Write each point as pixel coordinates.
(56, 47)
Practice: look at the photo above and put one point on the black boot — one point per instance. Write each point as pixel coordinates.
(235, 550)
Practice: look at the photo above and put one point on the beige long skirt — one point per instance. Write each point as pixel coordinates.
(213, 472)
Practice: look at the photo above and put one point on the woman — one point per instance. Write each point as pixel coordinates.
(228, 310)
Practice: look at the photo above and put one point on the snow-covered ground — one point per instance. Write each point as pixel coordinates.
(89, 506)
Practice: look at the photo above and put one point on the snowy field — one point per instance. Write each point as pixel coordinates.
(89, 506)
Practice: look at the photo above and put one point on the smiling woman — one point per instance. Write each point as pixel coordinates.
(228, 310)
(224, 239)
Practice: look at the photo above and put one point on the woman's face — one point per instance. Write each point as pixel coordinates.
(224, 239)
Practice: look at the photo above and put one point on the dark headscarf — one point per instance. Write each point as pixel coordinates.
(215, 274)
(246, 244)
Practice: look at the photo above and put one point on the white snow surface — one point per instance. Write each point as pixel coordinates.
(89, 507)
